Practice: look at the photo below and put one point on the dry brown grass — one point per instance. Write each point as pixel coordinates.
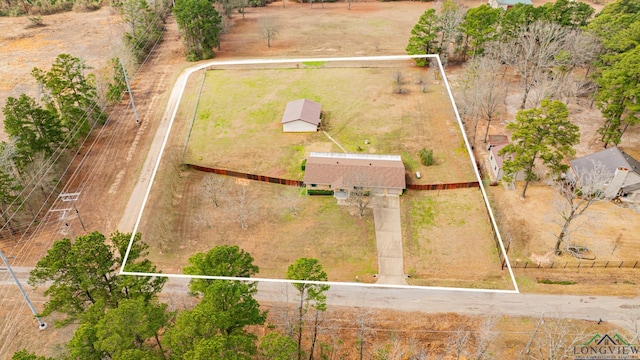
(448, 240)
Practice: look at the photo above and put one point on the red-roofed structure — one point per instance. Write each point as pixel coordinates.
(301, 116)
(381, 174)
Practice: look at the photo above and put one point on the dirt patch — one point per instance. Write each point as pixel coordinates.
(95, 37)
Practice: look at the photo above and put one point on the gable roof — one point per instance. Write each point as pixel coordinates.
(611, 159)
(348, 170)
(303, 109)
(500, 158)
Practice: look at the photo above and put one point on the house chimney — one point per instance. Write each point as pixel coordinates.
(616, 183)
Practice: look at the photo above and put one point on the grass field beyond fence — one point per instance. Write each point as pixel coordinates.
(237, 123)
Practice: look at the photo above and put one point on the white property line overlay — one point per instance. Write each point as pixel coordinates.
(178, 91)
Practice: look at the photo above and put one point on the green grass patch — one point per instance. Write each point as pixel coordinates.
(423, 212)
(237, 123)
(559, 282)
(409, 161)
(314, 63)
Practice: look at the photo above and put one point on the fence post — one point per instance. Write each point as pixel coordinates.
(579, 264)
(551, 267)
(565, 264)
(634, 265)
(605, 265)
(593, 263)
(619, 266)
(525, 264)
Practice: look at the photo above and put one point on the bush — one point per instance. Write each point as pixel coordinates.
(303, 166)
(426, 157)
(319, 192)
(551, 282)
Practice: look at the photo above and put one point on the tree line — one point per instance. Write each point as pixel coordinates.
(121, 317)
(44, 131)
(558, 52)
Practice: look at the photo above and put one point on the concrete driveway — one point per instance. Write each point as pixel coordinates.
(386, 215)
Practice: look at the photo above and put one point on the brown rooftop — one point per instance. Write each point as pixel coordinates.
(303, 109)
(349, 170)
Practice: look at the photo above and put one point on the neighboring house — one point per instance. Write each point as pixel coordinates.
(507, 4)
(381, 174)
(495, 161)
(301, 116)
(624, 171)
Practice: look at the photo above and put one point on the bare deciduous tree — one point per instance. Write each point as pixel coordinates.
(270, 29)
(577, 193)
(242, 206)
(484, 337)
(484, 91)
(291, 198)
(451, 15)
(534, 52)
(361, 197)
(458, 342)
(366, 334)
(399, 80)
(554, 339)
(214, 187)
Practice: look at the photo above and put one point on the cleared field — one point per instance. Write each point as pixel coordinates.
(237, 124)
(448, 240)
(282, 225)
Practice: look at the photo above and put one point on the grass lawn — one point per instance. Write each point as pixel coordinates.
(237, 124)
(343, 242)
(448, 240)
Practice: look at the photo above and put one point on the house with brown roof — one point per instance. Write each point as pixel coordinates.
(301, 116)
(342, 173)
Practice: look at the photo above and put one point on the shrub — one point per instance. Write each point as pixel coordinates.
(319, 192)
(303, 166)
(426, 157)
(551, 282)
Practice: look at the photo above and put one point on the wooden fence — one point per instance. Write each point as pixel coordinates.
(242, 175)
(628, 264)
(298, 183)
(451, 186)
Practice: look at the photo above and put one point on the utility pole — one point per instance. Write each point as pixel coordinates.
(70, 197)
(42, 324)
(126, 80)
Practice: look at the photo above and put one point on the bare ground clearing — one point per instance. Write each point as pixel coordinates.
(342, 241)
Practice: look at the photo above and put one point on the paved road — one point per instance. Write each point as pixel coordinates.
(613, 309)
(616, 310)
(386, 217)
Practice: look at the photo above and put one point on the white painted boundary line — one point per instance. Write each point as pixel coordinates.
(172, 109)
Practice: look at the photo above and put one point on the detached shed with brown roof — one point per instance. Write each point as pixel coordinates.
(382, 174)
(301, 116)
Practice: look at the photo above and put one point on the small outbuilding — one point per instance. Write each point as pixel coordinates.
(301, 116)
(496, 143)
(342, 173)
